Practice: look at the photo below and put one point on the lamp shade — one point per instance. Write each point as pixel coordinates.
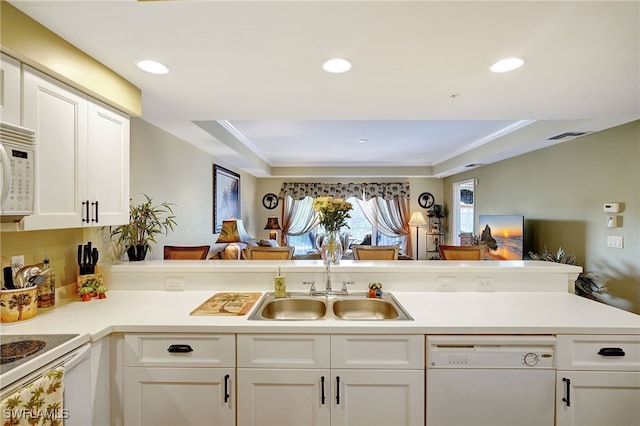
(417, 219)
(272, 223)
(232, 232)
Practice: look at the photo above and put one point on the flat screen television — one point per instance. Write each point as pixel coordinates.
(502, 235)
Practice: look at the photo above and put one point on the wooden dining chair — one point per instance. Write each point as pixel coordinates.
(269, 253)
(366, 252)
(186, 252)
(461, 252)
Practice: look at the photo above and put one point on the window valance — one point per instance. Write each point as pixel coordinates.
(363, 191)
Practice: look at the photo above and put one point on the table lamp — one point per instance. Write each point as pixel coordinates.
(232, 232)
(417, 220)
(272, 225)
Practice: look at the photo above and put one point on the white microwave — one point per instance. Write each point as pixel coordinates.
(17, 168)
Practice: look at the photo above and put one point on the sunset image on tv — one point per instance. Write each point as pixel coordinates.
(502, 236)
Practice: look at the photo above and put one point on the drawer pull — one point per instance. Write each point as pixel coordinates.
(226, 388)
(567, 399)
(180, 349)
(611, 352)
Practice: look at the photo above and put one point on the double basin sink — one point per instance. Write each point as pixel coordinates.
(352, 307)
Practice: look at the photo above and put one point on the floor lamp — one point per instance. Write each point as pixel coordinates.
(417, 220)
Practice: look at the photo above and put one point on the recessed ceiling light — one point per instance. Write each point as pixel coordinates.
(363, 140)
(507, 64)
(153, 67)
(337, 65)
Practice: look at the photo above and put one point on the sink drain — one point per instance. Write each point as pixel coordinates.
(10, 352)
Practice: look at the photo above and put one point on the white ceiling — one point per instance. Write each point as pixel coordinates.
(247, 86)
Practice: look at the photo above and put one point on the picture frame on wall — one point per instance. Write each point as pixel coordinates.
(226, 196)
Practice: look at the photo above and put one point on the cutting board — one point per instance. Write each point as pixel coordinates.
(227, 304)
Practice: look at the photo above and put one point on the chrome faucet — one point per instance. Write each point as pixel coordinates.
(328, 289)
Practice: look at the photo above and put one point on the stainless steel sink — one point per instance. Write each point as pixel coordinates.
(294, 309)
(352, 307)
(364, 309)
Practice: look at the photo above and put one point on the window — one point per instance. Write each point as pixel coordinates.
(360, 230)
(464, 198)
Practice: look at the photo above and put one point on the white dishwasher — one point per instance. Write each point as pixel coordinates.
(490, 380)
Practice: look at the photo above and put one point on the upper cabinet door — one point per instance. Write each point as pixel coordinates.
(10, 84)
(108, 171)
(58, 114)
(82, 157)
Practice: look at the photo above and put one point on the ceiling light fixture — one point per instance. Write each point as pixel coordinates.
(337, 65)
(507, 64)
(363, 140)
(153, 67)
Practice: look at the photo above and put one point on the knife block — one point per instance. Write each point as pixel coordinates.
(86, 278)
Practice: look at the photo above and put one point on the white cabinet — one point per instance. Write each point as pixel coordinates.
(598, 380)
(10, 83)
(336, 380)
(179, 379)
(82, 160)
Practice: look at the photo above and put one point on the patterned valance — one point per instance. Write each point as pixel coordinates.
(363, 191)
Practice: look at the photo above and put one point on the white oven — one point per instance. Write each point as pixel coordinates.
(77, 407)
(17, 168)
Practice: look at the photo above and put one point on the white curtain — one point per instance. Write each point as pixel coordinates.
(298, 217)
(391, 217)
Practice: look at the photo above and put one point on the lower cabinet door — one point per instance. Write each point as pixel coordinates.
(595, 398)
(179, 396)
(374, 397)
(283, 397)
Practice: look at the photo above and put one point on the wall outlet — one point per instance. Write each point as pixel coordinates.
(174, 283)
(484, 284)
(445, 283)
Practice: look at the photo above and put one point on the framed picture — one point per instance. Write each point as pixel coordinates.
(226, 196)
(502, 236)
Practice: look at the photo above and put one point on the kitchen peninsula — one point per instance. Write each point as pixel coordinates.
(233, 356)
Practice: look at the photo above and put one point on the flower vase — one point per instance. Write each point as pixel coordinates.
(331, 248)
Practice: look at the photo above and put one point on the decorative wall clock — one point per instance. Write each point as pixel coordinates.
(270, 201)
(426, 200)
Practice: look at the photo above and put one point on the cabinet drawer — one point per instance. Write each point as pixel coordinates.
(599, 352)
(187, 350)
(283, 351)
(377, 351)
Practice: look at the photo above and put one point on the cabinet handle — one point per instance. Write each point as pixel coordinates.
(181, 349)
(322, 396)
(567, 399)
(226, 388)
(611, 352)
(85, 205)
(338, 390)
(95, 211)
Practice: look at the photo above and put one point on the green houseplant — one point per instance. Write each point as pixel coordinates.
(146, 220)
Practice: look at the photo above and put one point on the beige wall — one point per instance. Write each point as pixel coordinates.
(169, 169)
(561, 191)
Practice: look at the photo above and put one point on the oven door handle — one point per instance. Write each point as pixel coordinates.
(76, 357)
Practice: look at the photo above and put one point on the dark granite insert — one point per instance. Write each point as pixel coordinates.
(50, 341)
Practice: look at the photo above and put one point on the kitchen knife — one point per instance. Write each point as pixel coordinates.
(80, 259)
(94, 259)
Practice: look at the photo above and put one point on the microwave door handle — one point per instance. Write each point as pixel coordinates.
(6, 178)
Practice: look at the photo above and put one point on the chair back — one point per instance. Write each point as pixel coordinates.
(366, 252)
(269, 253)
(461, 252)
(186, 252)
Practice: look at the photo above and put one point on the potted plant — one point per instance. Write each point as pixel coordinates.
(146, 220)
(101, 291)
(88, 289)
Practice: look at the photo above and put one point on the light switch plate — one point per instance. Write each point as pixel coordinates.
(615, 241)
(445, 283)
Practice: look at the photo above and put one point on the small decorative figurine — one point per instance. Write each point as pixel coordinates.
(375, 290)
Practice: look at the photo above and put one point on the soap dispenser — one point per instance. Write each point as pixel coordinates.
(47, 291)
(280, 286)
